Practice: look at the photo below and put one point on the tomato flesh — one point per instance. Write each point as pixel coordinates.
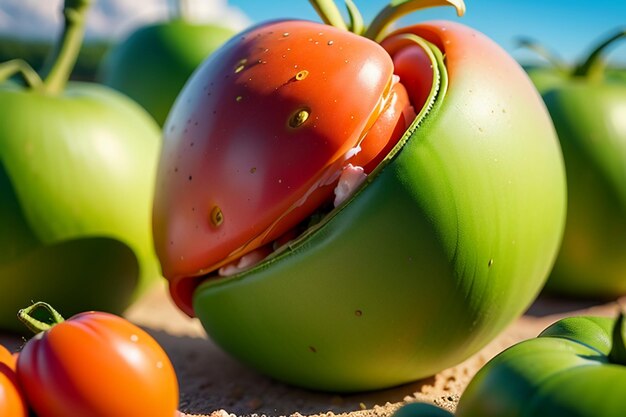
(258, 140)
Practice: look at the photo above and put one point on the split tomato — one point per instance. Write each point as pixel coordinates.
(392, 186)
(94, 364)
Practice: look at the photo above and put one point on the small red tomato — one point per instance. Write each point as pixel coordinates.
(95, 365)
(12, 403)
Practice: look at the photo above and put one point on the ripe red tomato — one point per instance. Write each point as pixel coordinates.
(12, 403)
(326, 93)
(97, 364)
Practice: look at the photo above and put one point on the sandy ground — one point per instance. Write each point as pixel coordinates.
(213, 384)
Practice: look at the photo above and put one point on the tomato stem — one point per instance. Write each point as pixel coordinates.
(356, 19)
(399, 8)
(65, 53)
(21, 67)
(329, 12)
(543, 52)
(618, 349)
(180, 10)
(35, 325)
(593, 66)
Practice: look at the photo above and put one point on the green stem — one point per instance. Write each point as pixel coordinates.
(35, 325)
(542, 51)
(356, 19)
(63, 58)
(618, 349)
(593, 66)
(180, 10)
(329, 13)
(398, 8)
(19, 66)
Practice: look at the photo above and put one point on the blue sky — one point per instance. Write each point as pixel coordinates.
(567, 26)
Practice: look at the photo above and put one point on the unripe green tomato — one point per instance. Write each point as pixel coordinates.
(447, 241)
(154, 62)
(77, 179)
(587, 104)
(576, 367)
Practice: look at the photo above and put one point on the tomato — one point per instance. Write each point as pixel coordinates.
(576, 367)
(449, 219)
(77, 168)
(588, 109)
(12, 401)
(153, 63)
(95, 364)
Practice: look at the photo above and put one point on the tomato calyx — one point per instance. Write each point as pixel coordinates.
(62, 59)
(330, 14)
(592, 67)
(28, 317)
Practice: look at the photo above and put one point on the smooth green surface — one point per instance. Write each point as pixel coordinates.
(154, 62)
(77, 174)
(442, 248)
(587, 102)
(563, 372)
(590, 119)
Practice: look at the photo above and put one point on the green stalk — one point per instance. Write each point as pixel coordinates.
(356, 19)
(329, 13)
(593, 67)
(618, 349)
(63, 58)
(21, 67)
(398, 8)
(35, 325)
(180, 10)
(543, 52)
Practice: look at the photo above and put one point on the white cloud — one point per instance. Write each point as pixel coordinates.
(108, 19)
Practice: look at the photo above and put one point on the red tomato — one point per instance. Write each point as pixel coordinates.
(12, 403)
(312, 95)
(97, 364)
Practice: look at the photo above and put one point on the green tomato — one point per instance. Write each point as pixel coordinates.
(448, 240)
(588, 109)
(77, 167)
(576, 367)
(153, 63)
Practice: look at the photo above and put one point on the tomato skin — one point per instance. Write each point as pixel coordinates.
(12, 402)
(566, 371)
(97, 364)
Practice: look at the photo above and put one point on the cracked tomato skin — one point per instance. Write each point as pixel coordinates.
(97, 364)
(12, 402)
(450, 238)
(287, 101)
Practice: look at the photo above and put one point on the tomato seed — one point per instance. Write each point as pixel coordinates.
(299, 118)
(217, 217)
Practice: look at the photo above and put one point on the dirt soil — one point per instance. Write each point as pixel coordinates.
(214, 384)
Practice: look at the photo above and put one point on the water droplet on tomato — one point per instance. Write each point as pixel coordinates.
(240, 65)
(330, 42)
